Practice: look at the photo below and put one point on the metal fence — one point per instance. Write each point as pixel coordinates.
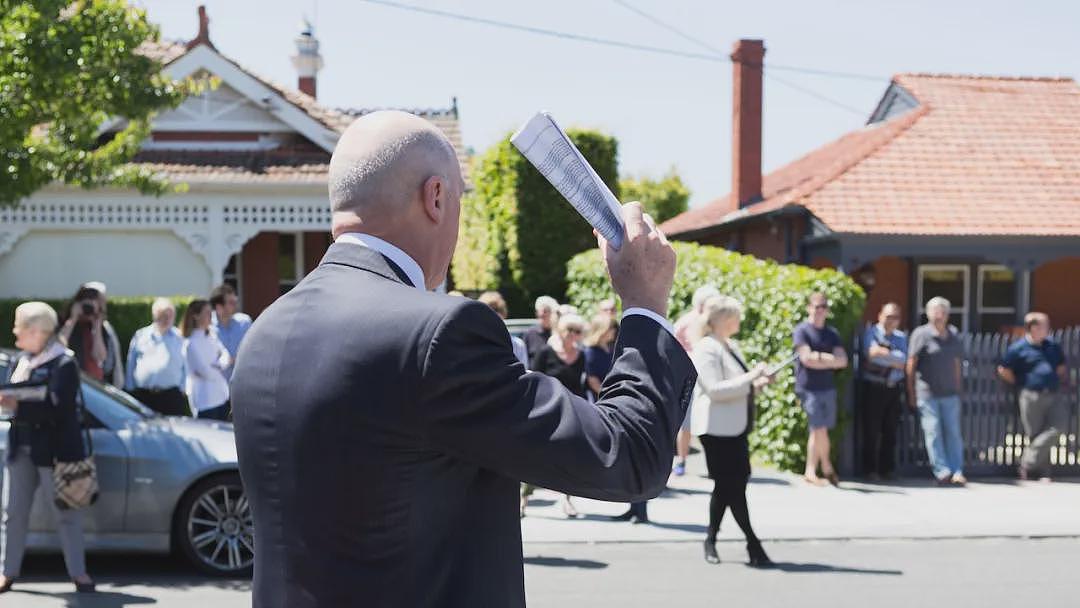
(994, 439)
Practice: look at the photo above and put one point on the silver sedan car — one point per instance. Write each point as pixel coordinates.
(166, 484)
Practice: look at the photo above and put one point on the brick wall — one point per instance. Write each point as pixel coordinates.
(892, 283)
(259, 263)
(1055, 290)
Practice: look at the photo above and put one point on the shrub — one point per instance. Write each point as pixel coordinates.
(774, 301)
(126, 314)
(662, 198)
(517, 231)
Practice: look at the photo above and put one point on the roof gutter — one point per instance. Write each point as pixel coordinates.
(788, 210)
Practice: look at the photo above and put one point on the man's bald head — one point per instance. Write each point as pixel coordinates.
(382, 160)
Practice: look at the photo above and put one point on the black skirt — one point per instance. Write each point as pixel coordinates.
(727, 458)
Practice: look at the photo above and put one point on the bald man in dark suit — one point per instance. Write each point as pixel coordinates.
(383, 428)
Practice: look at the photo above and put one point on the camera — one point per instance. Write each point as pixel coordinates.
(88, 308)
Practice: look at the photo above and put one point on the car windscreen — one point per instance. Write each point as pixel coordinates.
(112, 407)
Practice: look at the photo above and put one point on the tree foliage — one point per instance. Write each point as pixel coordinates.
(662, 198)
(65, 68)
(517, 231)
(774, 301)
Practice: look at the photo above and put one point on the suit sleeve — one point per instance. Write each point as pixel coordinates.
(481, 405)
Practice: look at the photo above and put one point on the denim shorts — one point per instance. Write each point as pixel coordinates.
(820, 407)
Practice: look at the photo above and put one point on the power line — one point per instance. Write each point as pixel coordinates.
(669, 27)
(703, 44)
(714, 55)
(546, 32)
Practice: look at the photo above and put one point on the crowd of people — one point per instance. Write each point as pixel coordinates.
(922, 371)
(177, 372)
(185, 370)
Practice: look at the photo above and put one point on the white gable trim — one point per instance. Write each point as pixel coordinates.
(203, 57)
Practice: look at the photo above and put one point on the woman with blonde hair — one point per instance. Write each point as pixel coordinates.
(722, 416)
(563, 360)
(43, 431)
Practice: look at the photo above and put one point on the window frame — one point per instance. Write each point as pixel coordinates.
(920, 299)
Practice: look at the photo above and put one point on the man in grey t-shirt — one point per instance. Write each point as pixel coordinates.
(934, 386)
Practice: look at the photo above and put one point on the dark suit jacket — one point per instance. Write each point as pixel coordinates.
(382, 432)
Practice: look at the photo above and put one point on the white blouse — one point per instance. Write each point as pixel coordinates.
(719, 405)
(206, 359)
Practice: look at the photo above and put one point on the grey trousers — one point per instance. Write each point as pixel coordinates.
(21, 480)
(1044, 417)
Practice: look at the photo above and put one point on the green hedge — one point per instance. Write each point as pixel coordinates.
(774, 300)
(517, 231)
(126, 314)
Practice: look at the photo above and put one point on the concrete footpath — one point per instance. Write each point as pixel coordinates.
(784, 507)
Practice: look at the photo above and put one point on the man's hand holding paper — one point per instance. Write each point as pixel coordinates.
(643, 269)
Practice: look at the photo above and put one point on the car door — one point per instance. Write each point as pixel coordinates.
(106, 516)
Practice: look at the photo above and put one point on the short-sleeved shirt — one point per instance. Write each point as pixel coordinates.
(1035, 366)
(822, 340)
(935, 370)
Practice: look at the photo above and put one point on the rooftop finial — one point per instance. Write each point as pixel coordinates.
(203, 37)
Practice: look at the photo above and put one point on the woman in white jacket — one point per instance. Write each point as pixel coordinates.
(207, 359)
(722, 416)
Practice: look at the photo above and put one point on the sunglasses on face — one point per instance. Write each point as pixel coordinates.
(893, 317)
(821, 307)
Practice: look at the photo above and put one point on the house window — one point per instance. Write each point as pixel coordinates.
(949, 281)
(231, 277)
(997, 298)
(290, 264)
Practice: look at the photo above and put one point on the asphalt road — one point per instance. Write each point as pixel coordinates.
(829, 574)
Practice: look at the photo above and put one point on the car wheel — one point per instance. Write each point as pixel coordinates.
(214, 528)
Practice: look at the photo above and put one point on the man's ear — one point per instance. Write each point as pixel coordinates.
(434, 197)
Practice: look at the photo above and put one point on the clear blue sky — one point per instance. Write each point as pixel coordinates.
(665, 111)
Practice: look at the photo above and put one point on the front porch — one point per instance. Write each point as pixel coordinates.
(990, 281)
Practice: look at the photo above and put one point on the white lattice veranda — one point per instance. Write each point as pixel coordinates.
(213, 229)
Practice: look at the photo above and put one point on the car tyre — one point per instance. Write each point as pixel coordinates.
(213, 527)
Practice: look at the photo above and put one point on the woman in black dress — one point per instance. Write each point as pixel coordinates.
(722, 415)
(563, 360)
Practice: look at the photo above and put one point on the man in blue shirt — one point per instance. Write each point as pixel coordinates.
(884, 349)
(155, 364)
(1035, 365)
(230, 324)
(820, 354)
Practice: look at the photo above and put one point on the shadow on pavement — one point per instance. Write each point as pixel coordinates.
(562, 562)
(867, 489)
(770, 481)
(117, 571)
(812, 568)
(101, 599)
(696, 528)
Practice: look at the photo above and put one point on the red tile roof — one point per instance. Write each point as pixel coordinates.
(978, 155)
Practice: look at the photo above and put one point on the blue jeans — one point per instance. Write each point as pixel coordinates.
(940, 419)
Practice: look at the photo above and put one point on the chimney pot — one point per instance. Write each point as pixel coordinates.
(747, 60)
(307, 59)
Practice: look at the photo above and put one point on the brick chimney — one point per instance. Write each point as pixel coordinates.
(307, 59)
(747, 60)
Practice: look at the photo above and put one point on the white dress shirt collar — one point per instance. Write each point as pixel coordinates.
(396, 255)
